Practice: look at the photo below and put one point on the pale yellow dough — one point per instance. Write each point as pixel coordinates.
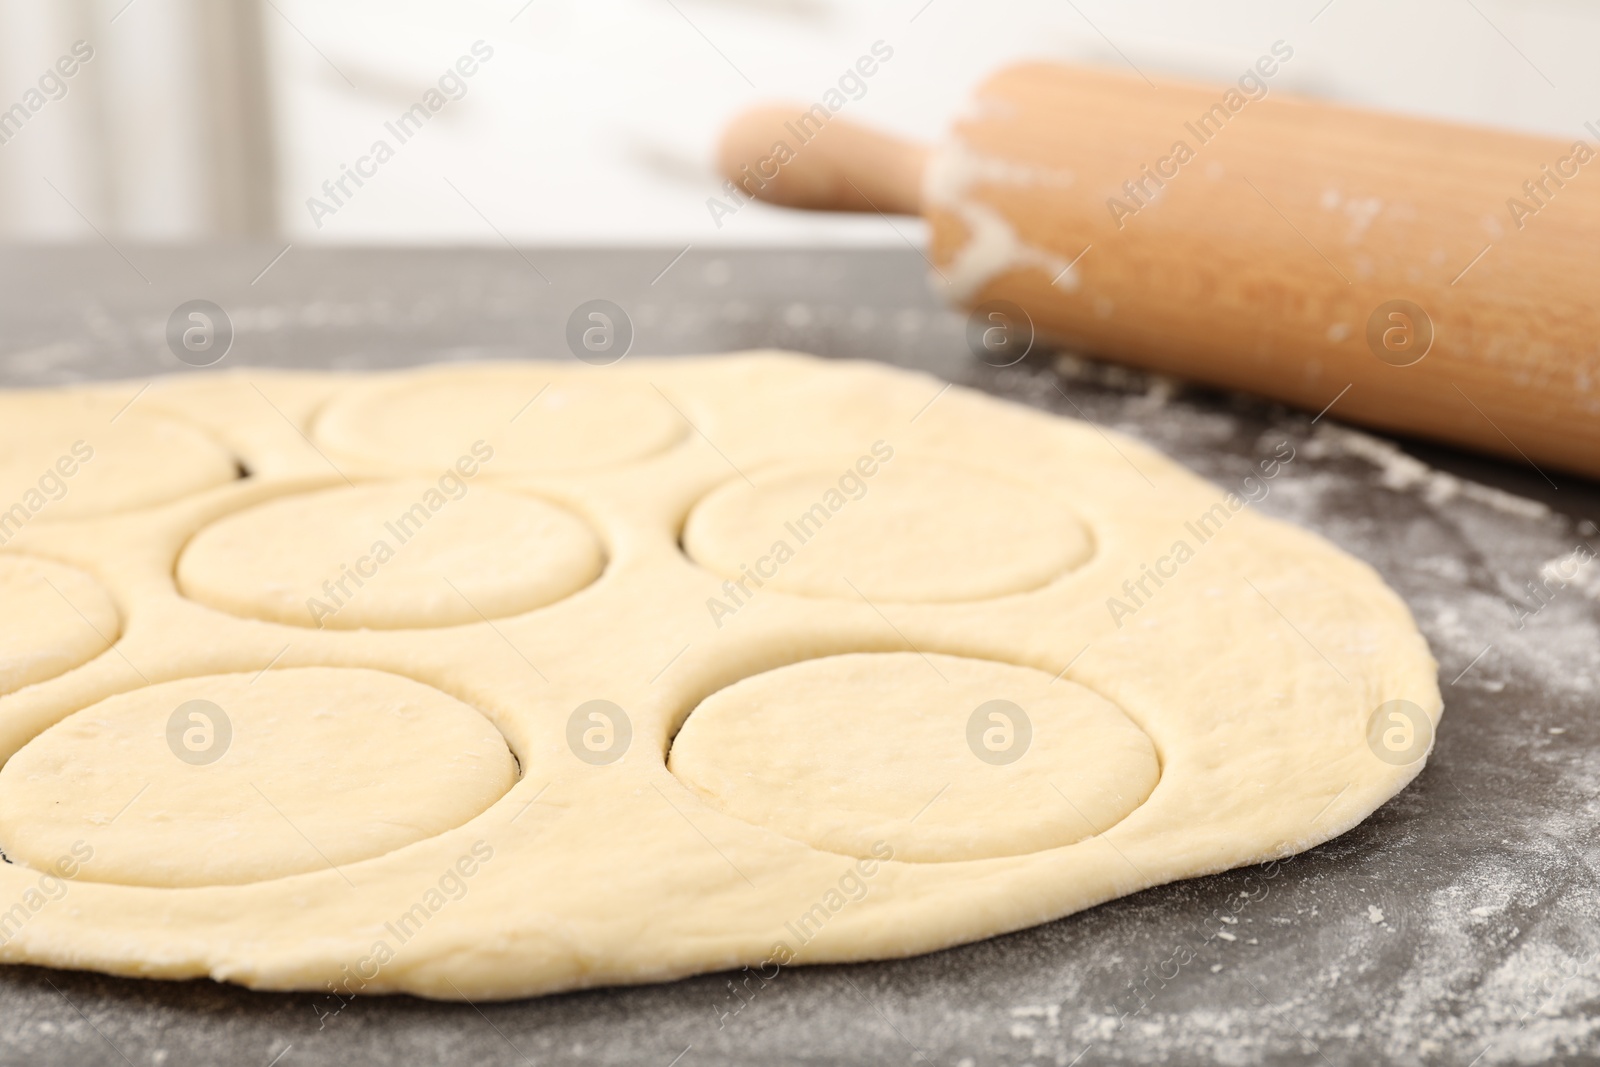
(428, 420)
(470, 780)
(54, 619)
(390, 556)
(879, 746)
(302, 780)
(893, 535)
(70, 454)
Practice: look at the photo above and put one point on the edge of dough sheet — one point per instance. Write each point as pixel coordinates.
(602, 875)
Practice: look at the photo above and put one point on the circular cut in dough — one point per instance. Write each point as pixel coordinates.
(929, 755)
(910, 531)
(56, 618)
(533, 421)
(72, 455)
(391, 556)
(319, 767)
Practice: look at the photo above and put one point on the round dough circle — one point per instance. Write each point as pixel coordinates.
(390, 556)
(70, 455)
(56, 618)
(852, 752)
(322, 769)
(911, 532)
(534, 423)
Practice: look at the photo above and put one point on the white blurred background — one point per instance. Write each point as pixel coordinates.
(594, 122)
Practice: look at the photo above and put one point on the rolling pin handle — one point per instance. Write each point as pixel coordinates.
(783, 155)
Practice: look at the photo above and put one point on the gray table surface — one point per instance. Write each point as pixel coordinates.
(1483, 871)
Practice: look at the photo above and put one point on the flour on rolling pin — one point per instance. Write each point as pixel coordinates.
(1332, 256)
(993, 246)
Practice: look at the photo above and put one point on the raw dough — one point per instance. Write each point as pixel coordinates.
(1219, 719)
(390, 556)
(66, 454)
(882, 745)
(292, 774)
(428, 420)
(55, 618)
(892, 534)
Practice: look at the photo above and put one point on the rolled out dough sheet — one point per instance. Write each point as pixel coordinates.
(497, 680)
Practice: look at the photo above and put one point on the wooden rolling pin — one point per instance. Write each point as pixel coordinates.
(1435, 280)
